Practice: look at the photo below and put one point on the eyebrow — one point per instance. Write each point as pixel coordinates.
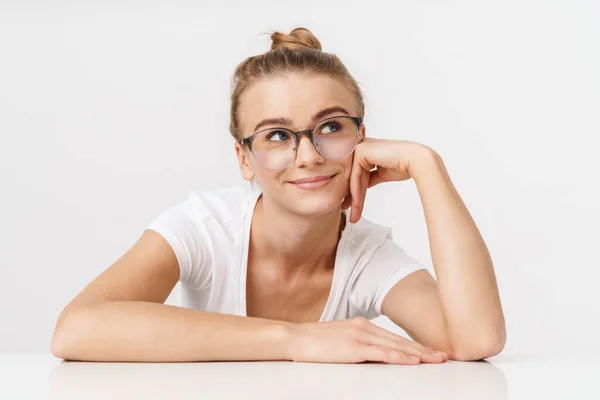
(288, 122)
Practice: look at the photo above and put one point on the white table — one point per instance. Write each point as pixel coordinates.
(41, 376)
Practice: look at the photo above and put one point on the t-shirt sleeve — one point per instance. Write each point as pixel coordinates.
(388, 265)
(183, 230)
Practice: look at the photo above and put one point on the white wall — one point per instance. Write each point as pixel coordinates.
(111, 111)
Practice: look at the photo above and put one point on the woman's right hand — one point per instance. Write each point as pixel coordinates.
(355, 340)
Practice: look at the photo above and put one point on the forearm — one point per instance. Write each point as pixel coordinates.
(122, 331)
(462, 263)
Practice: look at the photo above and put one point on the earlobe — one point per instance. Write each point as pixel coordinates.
(247, 173)
(245, 167)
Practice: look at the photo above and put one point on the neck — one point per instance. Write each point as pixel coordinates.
(296, 244)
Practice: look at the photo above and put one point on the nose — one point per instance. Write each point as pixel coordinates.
(307, 154)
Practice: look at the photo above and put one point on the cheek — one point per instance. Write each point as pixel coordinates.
(347, 167)
(345, 172)
(267, 178)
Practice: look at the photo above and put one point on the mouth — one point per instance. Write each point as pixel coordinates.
(314, 182)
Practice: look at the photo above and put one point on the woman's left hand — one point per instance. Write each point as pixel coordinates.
(393, 160)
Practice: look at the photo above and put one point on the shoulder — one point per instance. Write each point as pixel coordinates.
(201, 226)
(203, 211)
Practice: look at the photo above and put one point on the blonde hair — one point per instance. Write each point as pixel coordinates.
(298, 51)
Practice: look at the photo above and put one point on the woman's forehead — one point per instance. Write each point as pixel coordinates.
(295, 97)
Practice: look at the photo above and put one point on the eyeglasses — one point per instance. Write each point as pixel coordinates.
(333, 138)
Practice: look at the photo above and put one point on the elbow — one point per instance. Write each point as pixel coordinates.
(58, 344)
(487, 346)
(57, 347)
(61, 345)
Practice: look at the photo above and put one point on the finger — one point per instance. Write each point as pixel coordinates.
(375, 178)
(361, 168)
(355, 175)
(390, 356)
(363, 189)
(358, 196)
(377, 330)
(424, 354)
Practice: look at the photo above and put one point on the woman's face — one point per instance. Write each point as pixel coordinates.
(297, 97)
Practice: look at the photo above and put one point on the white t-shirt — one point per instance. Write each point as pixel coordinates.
(209, 233)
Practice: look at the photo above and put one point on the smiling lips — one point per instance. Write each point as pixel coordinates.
(314, 182)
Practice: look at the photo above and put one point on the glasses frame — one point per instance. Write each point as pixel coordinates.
(308, 132)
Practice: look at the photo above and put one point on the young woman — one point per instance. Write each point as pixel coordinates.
(278, 269)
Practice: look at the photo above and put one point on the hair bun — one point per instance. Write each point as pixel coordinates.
(297, 39)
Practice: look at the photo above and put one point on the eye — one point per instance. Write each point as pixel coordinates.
(333, 126)
(278, 135)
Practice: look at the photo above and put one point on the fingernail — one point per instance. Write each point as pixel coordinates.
(440, 354)
(413, 358)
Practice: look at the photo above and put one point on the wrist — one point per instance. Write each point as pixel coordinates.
(283, 336)
(426, 162)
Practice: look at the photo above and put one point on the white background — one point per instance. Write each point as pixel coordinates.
(110, 111)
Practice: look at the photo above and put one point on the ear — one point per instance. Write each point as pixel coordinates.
(363, 129)
(242, 154)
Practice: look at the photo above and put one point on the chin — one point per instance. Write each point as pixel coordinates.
(315, 202)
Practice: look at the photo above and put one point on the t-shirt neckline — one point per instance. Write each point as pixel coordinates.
(334, 291)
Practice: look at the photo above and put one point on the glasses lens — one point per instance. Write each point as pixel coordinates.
(274, 148)
(336, 137)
